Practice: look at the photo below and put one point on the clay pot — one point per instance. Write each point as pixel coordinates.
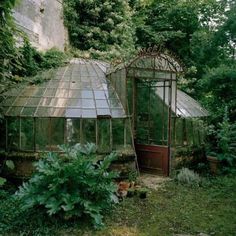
(214, 164)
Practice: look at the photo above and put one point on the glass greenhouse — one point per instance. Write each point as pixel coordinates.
(135, 106)
(77, 105)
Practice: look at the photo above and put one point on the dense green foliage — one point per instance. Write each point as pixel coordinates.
(104, 28)
(223, 142)
(172, 209)
(18, 60)
(9, 54)
(74, 186)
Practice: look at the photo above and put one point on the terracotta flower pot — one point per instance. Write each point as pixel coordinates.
(214, 164)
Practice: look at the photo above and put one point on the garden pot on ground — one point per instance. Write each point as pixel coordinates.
(214, 163)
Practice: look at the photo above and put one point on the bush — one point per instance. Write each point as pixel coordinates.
(74, 186)
(53, 58)
(188, 177)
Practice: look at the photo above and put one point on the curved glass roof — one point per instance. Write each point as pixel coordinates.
(149, 62)
(79, 89)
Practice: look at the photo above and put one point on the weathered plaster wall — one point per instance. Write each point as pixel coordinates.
(42, 20)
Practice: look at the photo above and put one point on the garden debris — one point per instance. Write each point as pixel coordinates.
(130, 189)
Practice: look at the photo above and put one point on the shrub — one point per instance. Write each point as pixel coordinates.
(224, 147)
(188, 177)
(74, 186)
(53, 58)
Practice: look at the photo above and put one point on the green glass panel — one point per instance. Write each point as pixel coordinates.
(118, 133)
(3, 134)
(14, 111)
(42, 135)
(20, 101)
(104, 136)
(31, 102)
(27, 134)
(179, 132)
(28, 111)
(57, 132)
(189, 131)
(13, 133)
(88, 131)
(128, 135)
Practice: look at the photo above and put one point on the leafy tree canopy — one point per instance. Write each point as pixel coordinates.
(100, 26)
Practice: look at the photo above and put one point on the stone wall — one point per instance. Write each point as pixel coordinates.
(42, 21)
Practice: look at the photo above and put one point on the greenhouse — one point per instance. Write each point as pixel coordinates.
(76, 105)
(134, 109)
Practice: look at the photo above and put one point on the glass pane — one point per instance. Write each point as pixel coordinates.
(62, 93)
(14, 111)
(179, 132)
(64, 85)
(42, 133)
(53, 83)
(13, 135)
(189, 132)
(43, 112)
(57, 132)
(74, 103)
(89, 113)
(20, 101)
(39, 92)
(102, 104)
(32, 102)
(118, 133)
(87, 94)
(27, 134)
(128, 136)
(103, 112)
(99, 94)
(8, 101)
(50, 92)
(3, 134)
(88, 131)
(70, 112)
(104, 136)
(58, 102)
(117, 113)
(75, 93)
(28, 111)
(114, 103)
(88, 103)
(57, 112)
(73, 131)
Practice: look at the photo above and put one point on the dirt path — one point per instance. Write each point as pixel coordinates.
(152, 181)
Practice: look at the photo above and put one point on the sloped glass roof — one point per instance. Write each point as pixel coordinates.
(79, 89)
(186, 106)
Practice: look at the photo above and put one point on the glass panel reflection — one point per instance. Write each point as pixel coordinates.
(73, 131)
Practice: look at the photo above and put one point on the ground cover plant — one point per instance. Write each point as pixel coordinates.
(173, 209)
